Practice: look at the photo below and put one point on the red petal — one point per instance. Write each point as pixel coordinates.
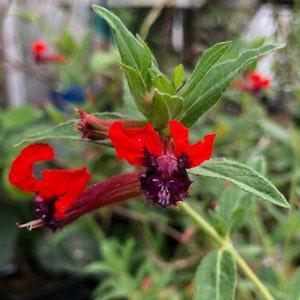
(130, 144)
(196, 153)
(39, 47)
(265, 83)
(201, 151)
(254, 78)
(180, 136)
(258, 80)
(21, 174)
(64, 185)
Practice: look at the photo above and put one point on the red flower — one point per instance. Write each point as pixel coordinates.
(255, 83)
(195, 154)
(258, 81)
(166, 158)
(56, 190)
(131, 143)
(39, 49)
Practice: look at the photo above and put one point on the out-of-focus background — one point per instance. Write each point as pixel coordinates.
(129, 251)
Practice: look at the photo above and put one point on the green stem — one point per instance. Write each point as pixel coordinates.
(292, 200)
(226, 244)
(293, 186)
(267, 244)
(250, 274)
(202, 223)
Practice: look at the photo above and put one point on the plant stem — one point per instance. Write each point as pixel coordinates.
(249, 273)
(267, 244)
(226, 244)
(292, 200)
(293, 186)
(203, 224)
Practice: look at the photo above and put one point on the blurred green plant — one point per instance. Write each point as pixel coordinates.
(233, 227)
(12, 122)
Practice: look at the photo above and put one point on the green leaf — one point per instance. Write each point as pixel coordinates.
(138, 62)
(275, 130)
(244, 177)
(138, 90)
(178, 76)
(99, 267)
(231, 210)
(61, 257)
(295, 140)
(234, 203)
(66, 43)
(101, 61)
(206, 86)
(209, 58)
(153, 63)
(216, 277)
(130, 108)
(8, 233)
(17, 118)
(132, 52)
(258, 163)
(66, 131)
(293, 286)
(165, 108)
(83, 47)
(163, 84)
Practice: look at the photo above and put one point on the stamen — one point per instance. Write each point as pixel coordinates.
(32, 224)
(164, 196)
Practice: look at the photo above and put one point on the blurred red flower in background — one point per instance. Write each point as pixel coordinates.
(39, 49)
(254, 84)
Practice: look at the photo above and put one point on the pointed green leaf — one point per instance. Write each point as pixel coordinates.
(137, 60)
(153, 63)
(130, 108)
(137, 90)
(163, 84)
(178, 76)
(99, 267)
(132, 52)
(244, 177)
(234, 203)
(205, 89)
(67, 131)
(231, 210)
(216, 277)
(209, 58)
(165, 108)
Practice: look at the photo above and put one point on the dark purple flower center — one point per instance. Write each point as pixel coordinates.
(45, 212)
(165, 180)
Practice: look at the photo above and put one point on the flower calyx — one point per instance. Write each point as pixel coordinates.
(96, 129)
